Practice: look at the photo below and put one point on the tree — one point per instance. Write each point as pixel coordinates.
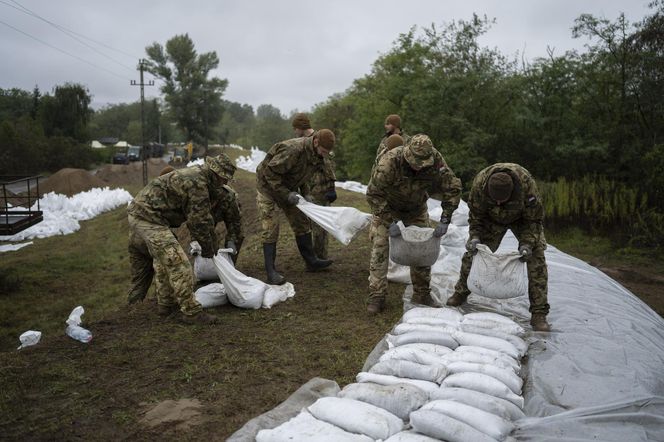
(271, 127)
(192, 96)
(66, 112)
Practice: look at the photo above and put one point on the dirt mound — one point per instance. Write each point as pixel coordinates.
(70, 182)
(132, 173)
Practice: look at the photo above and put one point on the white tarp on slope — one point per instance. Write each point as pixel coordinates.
(62, 213)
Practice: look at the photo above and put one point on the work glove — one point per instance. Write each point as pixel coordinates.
(442, 227)
(208, 252)
(471, 245)
(230, 244)
(394, 230)
(526, 252)
(309, 198)
(293, 199)
(331, 195)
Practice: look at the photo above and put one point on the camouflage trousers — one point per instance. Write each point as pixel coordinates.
(380, 254)
(155, 252)
(537, 270)
(320, 234)
(268, 214)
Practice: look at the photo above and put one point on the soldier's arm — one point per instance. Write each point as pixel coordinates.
(199, 216)
(281, 163)
(531, 222)
(376, 195)
(329, 174)
(233, 218)
(476, 217)
(448, 189)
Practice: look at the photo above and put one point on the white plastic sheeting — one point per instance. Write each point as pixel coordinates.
(14, 247)
(62, 214)
(251, 162)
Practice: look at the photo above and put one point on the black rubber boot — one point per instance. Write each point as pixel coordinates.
(306, 248)
(269, 253)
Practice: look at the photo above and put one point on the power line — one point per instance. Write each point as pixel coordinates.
(63, 51)
(69, 33)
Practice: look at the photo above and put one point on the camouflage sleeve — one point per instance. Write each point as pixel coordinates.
(476, 215)
(448, 189)
(329, 173)
(232, 217)
(376, 195)
(199, 216)
(280, 164)
(533, 214)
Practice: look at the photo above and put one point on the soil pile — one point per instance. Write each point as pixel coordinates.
(70, 182)
(120, 174)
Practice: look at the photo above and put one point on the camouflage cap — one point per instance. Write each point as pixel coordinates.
(500, 186)
(326, 139)
(419, 151)
(393, 141)
(394, 120)
(301, 121)
(222, 165)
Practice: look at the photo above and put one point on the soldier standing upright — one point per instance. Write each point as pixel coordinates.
(285, 171)
(392, 127)
(505, 196)
(168, 201)
(401, 183)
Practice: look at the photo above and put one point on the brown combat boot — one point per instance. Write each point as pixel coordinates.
(167, 310)
(200, 318)
(423, 299)
(456, 300)
(375, 305)
(538, 322)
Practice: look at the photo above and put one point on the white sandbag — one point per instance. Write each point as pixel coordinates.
(415, 246)
(306, 428)
(487, 423)
(484, 384)
(504, 375)
(407, 327)
(410, 436)
(491, 404)
(344, 223)
(516, 341)
(211, 295)
(441, 313)
(489, 342)
(493, 320)
(511, 361)
(204, 269)
(432, 349)
(425, 320)
(442, 427)
(407, 353)
(356, 417)
(480, 358)
(383, 379)
(497, 276)
(275, 294)
(438, 338)
(398, 399)
(241, 290)
(408, 369)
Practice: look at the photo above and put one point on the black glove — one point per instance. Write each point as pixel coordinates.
(471, 245)
(309, 198)
(442, 227)
(230, 244)
(208, 252)
(526, 252)
(293, 199)
(331, 195)
(394, 230)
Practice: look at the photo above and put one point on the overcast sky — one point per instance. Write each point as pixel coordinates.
(292, 54)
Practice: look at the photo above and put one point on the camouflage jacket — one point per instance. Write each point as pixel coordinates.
(226, 208)
(177, 197)
(322, 180)
(286, 168)
(396, 190)
(523, 209)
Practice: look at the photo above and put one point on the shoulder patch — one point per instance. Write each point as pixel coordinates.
(531, 200)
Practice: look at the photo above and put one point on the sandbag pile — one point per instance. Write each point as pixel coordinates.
(445, 376)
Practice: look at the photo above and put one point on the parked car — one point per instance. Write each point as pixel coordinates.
(134, 153)
(120, 158)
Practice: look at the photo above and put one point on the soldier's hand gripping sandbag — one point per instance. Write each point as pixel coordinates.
(394, 230)
(331, 195)
(526, 252)
(442, 227)
(471, 245)
(293, 199)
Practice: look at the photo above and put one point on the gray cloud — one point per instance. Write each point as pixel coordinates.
(290, 54)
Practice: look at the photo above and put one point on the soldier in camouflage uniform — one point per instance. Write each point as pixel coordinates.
(401, 184)
(180, 196)
(505, 196)
(392, 127)
(321, 184)
(285, 171)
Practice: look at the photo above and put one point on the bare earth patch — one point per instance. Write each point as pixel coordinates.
(184, 413)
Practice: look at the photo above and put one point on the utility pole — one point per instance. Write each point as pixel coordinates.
(144, 156)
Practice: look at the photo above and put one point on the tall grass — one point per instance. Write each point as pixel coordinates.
(601, 205)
